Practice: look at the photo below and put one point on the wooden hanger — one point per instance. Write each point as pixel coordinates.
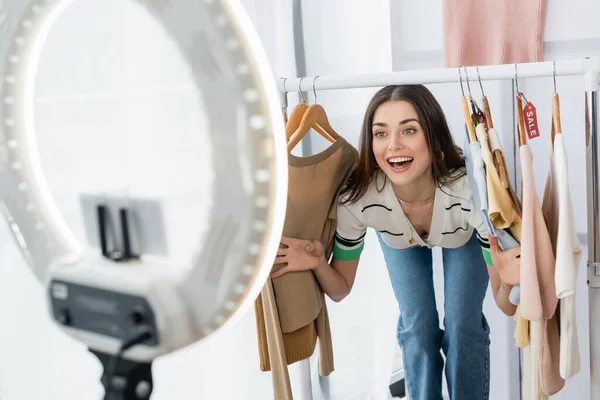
(556, 126)
(298, 114)
(466, 112)
(497, 155)
(521, 119)
(314, 116)
(478, 116)
(486, 105)
(521, 126)
(294, 119)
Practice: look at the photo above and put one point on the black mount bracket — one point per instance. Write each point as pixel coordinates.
(125, 379)
(115, 254)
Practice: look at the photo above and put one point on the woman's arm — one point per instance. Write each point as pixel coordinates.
(504, 274)
(501, 292)
(336, 279)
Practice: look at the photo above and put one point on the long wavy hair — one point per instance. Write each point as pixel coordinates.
(445, 155)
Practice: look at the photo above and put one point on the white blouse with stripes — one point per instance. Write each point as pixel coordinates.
(453, 220)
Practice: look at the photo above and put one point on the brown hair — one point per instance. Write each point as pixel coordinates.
(444, 153)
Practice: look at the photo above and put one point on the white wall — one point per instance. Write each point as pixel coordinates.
(571, 32)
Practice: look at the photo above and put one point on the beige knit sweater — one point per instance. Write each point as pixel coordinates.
(291, 312)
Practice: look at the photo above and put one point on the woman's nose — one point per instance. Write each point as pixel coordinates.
(395, 142)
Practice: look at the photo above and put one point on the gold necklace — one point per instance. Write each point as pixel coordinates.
(414, 227)
(416, 204)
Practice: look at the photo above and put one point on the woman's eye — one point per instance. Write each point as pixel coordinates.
(379, 134)
(409, 131)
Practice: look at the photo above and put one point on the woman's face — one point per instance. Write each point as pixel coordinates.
(399, 143)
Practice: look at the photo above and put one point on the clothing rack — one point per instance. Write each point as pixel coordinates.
(588, 69)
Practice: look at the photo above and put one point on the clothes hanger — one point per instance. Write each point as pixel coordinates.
(519, 97)
(467, 113)
(556, 126)
(315, 117)
(478, 116)
(497, 155)
(297, 115)
(486, 104)
(284, 108)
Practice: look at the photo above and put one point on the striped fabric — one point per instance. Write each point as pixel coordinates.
(454, 219)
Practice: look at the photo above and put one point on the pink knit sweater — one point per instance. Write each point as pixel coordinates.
(487, 32)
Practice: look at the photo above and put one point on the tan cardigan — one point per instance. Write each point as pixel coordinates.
(315, 183)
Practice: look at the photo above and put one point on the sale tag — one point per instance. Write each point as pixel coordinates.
(531, 122)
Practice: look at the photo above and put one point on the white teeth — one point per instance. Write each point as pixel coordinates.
(400, 159)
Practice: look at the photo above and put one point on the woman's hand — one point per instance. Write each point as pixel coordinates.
(507, 262)
(298, 255)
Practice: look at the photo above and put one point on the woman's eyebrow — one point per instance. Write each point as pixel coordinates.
(406, 121)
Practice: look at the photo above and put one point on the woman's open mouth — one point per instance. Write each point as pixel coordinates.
(400, 164)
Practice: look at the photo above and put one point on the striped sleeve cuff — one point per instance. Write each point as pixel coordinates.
(485, 248)
(487, 256)
(484, 242)
(345, 249)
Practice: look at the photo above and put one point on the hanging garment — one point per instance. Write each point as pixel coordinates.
(488, 32)
(271, 345)
(549, 352)
(314, 186)
(504, 205)
(496, 147)
(538, 300)
(534, 371)
(568, 256)
(500, 207)
(480, 179)
(477, 182)
(538, 296)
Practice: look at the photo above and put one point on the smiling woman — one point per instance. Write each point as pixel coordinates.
(411, 187)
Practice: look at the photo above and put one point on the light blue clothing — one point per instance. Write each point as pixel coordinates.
(465, 339)
(478, 183)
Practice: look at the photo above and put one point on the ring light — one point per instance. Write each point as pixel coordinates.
(249, 189)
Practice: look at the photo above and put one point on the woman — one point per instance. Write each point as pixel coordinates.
(411, 187)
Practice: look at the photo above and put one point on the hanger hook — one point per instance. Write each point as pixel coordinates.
(300, 89)
(462, 89)
(314, 91)
(479, 79)
(284, 80)
(516, 79)
(467, 78)
(554, 74)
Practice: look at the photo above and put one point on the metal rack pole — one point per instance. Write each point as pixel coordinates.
(592, 129)
(440, 75)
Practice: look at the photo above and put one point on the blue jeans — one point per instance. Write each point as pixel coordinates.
(465, 339)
